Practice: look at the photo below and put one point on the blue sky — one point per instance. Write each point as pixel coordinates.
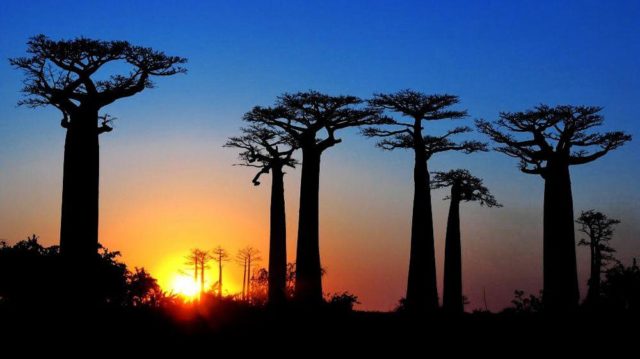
(496, 55)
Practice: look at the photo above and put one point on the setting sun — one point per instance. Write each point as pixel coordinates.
(184, 286)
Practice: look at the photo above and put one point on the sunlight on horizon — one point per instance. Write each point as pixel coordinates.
(175, 277)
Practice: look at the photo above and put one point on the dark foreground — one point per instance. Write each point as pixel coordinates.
(324, 332)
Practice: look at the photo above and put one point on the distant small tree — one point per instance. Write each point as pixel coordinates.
(270, 150)
(621, 288)
(198, 258)
(547, 141)
(599, 230)
(250, 256)
(464, 188)
(219, 255)
(419, 109)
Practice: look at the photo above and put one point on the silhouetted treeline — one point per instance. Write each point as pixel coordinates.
(31, 274)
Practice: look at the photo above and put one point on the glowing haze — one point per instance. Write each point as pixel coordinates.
(167, 185)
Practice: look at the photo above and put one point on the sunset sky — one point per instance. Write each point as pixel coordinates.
(167, 185)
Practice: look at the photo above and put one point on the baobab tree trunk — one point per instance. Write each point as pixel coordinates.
(249, 298)
(219, 277)
(452, 296)
(560, 292)
(277, 240)
(422, 293)
(79, 221)
(244, 280)
(201, 277)
(79, 218)
(308, 289)
(594, 279)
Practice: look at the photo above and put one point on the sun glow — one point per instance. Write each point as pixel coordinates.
(185, 286)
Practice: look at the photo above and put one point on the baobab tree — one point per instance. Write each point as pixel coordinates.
(198, 258)
(248, 256)
(64, 74)
(311, 119)
(599, 230)
(270, 151)
(419, 108)
(464, 188)
(547, 141)
(219, 255)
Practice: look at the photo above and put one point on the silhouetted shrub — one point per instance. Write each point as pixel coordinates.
(342, 301)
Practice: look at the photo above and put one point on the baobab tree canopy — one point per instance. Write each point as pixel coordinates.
(469, 188)
(264, 148)
(59, 73)
(304, 115)
(546, 133)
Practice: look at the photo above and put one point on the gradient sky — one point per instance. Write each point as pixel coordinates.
(167, 185)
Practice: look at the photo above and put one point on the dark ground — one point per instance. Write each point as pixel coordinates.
(301, 334)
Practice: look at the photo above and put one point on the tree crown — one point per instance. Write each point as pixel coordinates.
(60, 73)
(545, 134)
(599, 229)
(420, 107)
(264, 148)
(467, 187)
(303, 116)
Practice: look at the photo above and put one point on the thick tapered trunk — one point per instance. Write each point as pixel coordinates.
(452, 292)
(594, 279)
(277, 240)
(308, 288)
(79, 217)
(79, 221)
(422, 291)
(560, 292)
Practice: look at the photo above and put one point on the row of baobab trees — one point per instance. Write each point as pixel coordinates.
(198, 259)
(546, 140)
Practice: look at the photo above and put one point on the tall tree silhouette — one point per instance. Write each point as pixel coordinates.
(198, 258)
(311, 119)
(219, 255)
(193, 260)
(547, 141)
(422, 292)
(468, 188)
(270, 151)
(249, 256)
(599, 230)
(242, 260)
(63, 74)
